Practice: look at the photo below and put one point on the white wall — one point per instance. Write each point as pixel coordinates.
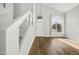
(72, 24)
(21, 8)
(47, 12)
(12, 40)
(6, 16)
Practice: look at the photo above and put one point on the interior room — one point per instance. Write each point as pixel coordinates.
(39, 29)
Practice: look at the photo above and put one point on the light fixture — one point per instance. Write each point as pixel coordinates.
(40, 16)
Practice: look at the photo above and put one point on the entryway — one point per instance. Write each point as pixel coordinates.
(57, 25)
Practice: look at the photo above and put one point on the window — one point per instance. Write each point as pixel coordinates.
(57, 19)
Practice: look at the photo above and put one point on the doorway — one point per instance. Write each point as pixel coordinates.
(57, 25)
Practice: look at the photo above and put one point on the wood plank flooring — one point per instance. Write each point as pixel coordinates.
(51, 46)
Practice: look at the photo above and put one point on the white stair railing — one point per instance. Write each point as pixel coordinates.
(9, 35)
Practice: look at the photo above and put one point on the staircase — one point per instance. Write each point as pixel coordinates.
(17, 36)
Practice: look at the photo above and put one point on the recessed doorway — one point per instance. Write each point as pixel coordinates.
(57, 25)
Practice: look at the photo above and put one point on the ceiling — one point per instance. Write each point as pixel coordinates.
(63, 7)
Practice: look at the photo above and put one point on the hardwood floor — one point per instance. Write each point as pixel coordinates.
(51, 46)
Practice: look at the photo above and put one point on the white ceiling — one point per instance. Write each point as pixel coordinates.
(63, 7)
